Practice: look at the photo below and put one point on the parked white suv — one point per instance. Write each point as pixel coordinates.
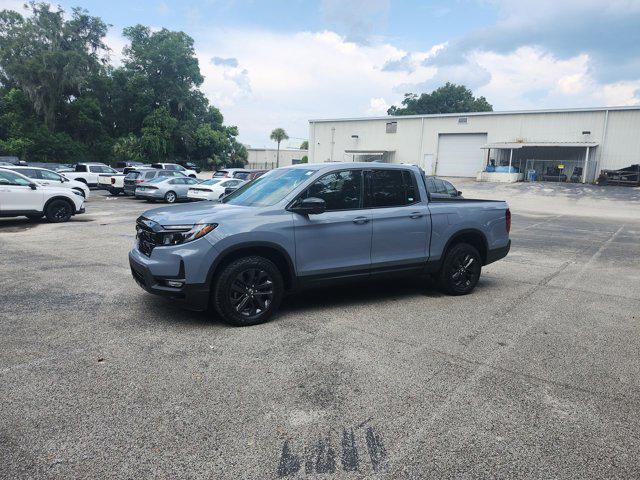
(44, 176)
(20, 196)
(176, 168)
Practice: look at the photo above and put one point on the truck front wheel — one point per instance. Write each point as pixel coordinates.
(248, 291)
(460, 270)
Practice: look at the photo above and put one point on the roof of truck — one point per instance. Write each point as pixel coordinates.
(343, 165)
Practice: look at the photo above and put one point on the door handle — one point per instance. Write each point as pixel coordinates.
(416, 215)
(361, 220)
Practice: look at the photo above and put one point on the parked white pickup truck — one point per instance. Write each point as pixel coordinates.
(89, 173)
(114, 184)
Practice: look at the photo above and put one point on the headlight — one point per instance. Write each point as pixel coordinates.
(78, 193)
(178, 234)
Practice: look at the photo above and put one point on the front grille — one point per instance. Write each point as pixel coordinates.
(147, 237)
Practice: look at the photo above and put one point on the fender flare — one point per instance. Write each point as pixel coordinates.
(248, 245)
(459, 233)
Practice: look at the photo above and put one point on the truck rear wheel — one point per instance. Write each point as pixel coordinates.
(460, 270)
(248, 291)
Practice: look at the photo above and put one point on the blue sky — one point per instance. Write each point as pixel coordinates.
(280, 63)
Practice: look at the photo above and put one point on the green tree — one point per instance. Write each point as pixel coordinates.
(60, 100)
(157, 131)
(128, 148)
(49, 57)
(450, 98)
(278, 135)
(304, 145)
(167, 62)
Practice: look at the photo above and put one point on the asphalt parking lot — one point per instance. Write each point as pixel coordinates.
(534, 375)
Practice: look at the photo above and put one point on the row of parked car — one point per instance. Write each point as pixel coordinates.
(170, 185)
(34, 191)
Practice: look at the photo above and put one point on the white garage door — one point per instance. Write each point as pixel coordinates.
(460, 154)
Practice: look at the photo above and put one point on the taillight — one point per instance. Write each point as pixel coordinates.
(140, 181)
(113, 181)
(508, 220)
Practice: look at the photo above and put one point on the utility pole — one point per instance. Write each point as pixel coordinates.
(333, 142)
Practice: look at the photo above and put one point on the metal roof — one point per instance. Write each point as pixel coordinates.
(477, 114)
(515, 145)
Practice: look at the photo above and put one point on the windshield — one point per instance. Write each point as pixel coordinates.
(132, 175)
(270, 188)
(213, 181)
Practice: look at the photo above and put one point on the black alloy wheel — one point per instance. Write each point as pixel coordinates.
(58, 211)
(461, 269)
(251, 292)
(248, 291)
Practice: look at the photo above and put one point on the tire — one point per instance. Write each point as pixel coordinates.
(460, 270)
(248, 291)
(114, 191)
(58, 211)
(170, 197)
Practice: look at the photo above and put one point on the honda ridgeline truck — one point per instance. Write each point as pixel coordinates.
(309, 224)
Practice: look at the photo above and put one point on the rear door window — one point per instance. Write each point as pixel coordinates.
(149, 175)
(391, 188)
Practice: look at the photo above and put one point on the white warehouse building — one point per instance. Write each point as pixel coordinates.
(558, 145)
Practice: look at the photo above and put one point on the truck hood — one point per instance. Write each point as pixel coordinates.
(192, 213)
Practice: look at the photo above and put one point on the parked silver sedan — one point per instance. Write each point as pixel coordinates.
(169, 189)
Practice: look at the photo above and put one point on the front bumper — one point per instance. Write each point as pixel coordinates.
(80, 210)
(192, 296)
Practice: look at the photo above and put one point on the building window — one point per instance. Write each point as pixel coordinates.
(392, 127)
(462, 119)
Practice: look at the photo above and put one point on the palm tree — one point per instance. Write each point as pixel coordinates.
(278, 135)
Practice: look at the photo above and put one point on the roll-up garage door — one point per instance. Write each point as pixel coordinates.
(460, 154)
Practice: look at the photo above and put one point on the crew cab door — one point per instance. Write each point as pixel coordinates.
(400, 217)
(17, 196)
(338, 241)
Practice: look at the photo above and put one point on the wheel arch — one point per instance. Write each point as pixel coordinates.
(59, 197)
(272, 251)
(471, 236)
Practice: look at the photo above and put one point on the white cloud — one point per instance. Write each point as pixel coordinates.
(298, 76)
(116, 42)
(378, 106)
(532, 78)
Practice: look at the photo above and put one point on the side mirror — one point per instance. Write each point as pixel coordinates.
(459, 193)
(309, 206)
(33, 186)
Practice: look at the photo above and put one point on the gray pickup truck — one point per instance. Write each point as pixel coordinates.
(310, 224)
